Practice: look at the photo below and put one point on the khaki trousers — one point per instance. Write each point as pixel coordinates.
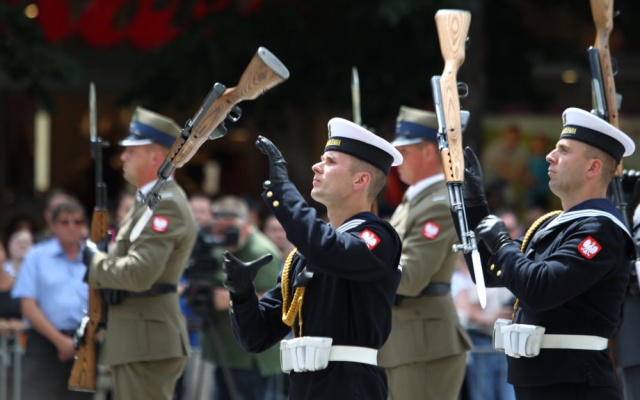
(439, 379)
(147, 380)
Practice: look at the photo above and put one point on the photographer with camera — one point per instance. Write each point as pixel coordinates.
(254, 376)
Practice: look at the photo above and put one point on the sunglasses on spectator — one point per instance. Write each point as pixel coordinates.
(66, 222)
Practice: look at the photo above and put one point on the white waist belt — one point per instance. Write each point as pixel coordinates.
(522, 340)
(309, 353)
(575, 342)
(363, 355)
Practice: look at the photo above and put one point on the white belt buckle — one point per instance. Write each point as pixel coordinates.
(522, 340)
(498, 339)
(305, 354)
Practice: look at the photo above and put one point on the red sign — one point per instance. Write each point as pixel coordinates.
(148, 26)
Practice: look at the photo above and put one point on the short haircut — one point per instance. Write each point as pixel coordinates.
(68, 206)
(378, 178)
(231, 206)
(609, 164)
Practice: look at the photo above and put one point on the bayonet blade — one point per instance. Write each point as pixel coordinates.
(355, 96)
(93, 129)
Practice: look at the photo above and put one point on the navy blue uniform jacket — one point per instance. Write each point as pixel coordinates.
(351, 285)
(571, 280)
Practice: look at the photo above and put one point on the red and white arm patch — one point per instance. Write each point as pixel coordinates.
(589, 247)
(430, 230)
(370, 238)
(160, 224)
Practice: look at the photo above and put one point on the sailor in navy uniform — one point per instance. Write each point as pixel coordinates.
(571, 275)
(336, 290)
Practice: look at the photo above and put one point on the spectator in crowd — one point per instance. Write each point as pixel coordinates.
(537, 192)
(201, 209)
(126, 202)
(18, 222)
(253, 376)
(503, 163)
(11, 255)
(200, 205)
(53, 198)
(17, 245)
(53, 299)
(274, 231)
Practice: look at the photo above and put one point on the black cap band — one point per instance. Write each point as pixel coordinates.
(594, 138)
(364, 151)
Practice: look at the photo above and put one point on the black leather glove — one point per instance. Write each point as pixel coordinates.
(277, 164)
(630, 183)
(493, 232)
(473, 188)
(239, 275)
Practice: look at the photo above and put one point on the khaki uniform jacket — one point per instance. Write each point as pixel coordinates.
(424, 328)
(147, 328)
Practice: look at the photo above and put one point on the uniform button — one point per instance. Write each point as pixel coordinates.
(498, 273)
(276, 203)
(492, 267)
(105, 267)
(269, 194)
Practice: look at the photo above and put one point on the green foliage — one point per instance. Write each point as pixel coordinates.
(28, 59)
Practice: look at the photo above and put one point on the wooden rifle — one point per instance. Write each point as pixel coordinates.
(606, 102)
(83, 372)
(263, 72)
(453, 27)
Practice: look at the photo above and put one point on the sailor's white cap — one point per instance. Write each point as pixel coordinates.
(589, 128)
(148, 127)
(348, 137)
(414, 126)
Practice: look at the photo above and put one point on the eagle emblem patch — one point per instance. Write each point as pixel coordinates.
(589, 247)
(160, 224)
(430, 230)
(370, 238)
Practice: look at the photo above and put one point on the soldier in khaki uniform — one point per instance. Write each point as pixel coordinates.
(424, 356)
(146, 344)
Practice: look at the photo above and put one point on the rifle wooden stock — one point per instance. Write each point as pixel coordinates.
(263, 72)
(83, 373)
(602, 11)
(453, 27)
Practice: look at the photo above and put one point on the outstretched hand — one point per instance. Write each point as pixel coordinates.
(239, 275)
(277, 164)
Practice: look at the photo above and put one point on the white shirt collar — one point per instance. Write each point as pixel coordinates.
(146, 188)
(419, 186)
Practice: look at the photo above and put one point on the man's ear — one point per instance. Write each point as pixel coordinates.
(595, 167)
(362, 180)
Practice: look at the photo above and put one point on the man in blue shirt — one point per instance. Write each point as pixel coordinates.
(53, 299)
